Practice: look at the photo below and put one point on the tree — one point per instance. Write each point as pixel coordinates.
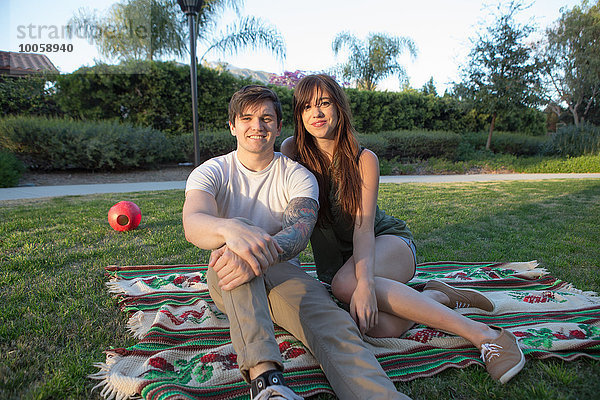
(572, 62)
(374, 59)
(134, 30)
(150, 29)
(502, 73)
(429, 87)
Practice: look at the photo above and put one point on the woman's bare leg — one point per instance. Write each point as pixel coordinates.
(394, 265)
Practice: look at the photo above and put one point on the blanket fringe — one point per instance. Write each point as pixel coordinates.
(108, 382)
(568, 287)
(528, 269)
(534, 273)
(115, 287)
(135, 325)
(522, 266)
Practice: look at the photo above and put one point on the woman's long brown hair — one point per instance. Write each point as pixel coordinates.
(343, 171)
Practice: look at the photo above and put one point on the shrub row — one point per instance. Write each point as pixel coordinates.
(61, 144)
(210, 144)
(575, 141)
(414, 110)
(157, 95)
(145, 93)
(503, 142)
(412, 145)
(44, 143)
(27, 95)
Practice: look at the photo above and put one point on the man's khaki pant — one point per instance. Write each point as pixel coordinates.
(301, 305)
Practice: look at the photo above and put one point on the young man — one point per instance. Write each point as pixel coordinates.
(257, 208)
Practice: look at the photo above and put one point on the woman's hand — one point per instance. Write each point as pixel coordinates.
(363, 305)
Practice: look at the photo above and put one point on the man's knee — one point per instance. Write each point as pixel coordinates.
(212, 281)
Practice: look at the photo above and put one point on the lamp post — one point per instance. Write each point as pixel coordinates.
(191, 8)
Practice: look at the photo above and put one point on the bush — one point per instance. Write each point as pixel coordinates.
(502, 142)
(525, 121)
(11, 169)
(157, 95)
(412, 145)
(62, 144)
(378, 111)
(376, 143)
(575, 141)
(146, 93)
(211, 144)
(27, 95)
(517, 144)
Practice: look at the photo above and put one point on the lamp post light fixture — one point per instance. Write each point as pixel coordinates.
(191, 8)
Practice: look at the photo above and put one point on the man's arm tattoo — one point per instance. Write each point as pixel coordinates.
(299, 219)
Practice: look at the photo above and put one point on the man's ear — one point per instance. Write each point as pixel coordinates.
(279, 128)
(231, 128)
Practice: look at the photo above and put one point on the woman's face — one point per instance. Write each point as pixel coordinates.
(320, 116)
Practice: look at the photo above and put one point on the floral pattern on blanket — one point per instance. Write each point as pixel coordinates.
(184, 349)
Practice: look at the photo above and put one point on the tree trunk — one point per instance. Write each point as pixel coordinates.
(573, 109)
(492, 125)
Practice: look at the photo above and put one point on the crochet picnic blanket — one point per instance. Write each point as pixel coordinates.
(184, 349)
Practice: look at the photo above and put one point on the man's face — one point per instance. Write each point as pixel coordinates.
(256, 128)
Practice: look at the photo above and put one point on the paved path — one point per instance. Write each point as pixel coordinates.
(32, 192)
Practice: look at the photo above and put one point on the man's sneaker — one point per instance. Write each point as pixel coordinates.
(270, 385)
(461, 298)
(503, 358)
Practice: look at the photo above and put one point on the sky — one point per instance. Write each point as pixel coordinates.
(441, 29)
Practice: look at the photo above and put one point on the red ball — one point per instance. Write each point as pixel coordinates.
(124, 216)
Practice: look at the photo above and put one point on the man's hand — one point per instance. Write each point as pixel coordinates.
(231, 269)
(253, 245)
(207, 231)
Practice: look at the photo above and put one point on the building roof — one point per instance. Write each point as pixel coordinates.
(18, 64)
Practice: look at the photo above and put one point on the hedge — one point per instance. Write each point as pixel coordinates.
(507, 143)
(62, 144)
(157, 95)
(29, 94)
(414, 110)
(575, 141)
(145, 93)
(412, 145)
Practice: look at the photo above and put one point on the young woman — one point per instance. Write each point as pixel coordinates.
(366, 255)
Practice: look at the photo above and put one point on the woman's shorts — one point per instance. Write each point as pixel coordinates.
(412, 247)
(414, 251)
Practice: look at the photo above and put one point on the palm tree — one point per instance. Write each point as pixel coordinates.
(374, 59)
(149, 29)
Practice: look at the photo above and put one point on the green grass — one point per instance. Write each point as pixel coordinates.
(488, 162)
(56, 316)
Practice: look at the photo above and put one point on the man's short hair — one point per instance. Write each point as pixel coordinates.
(249, 96)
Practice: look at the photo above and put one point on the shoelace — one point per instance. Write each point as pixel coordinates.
(460, 304)
(489, 351)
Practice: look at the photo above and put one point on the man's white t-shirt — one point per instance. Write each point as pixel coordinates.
(259, 196)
